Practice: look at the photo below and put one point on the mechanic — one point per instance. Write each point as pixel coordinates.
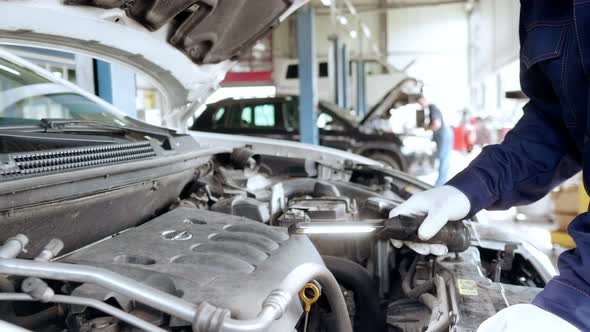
(442, 135)
(549, 144)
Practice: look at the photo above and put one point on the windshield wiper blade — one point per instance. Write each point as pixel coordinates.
(60, 125)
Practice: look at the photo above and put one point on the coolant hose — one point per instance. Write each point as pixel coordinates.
(368, 315)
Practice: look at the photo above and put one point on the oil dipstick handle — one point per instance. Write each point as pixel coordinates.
(455, 235)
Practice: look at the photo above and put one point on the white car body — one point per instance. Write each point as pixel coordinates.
(380, 79)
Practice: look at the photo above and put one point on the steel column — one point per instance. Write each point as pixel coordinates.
(306, 52)
(116, 85)
(336, 72)
(345, 76)
(361, 104)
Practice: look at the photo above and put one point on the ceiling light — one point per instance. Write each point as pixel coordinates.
(10, 70)
(326, 3)
(342, 19)
(366, 30)
(353, 34)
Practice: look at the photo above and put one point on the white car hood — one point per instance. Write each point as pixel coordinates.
(184, 73)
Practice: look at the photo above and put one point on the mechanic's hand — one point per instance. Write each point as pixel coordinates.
(525, 317)
(440, 204)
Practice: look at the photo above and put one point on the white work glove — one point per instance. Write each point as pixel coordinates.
(525, 317)
(440, 204)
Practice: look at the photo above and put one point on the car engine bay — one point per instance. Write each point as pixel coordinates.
(197, 240)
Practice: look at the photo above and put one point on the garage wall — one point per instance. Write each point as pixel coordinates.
(433, 42)
(494, 36)
(285, 43)
(494, 48)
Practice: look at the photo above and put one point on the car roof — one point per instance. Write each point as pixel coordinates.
(231, 101)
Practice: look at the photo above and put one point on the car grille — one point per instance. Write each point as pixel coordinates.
(63, 159)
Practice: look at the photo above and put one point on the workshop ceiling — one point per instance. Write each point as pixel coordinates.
(376, 5)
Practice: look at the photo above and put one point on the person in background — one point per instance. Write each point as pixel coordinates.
(443, 136)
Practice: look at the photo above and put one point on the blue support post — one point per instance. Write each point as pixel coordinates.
(361, 104)
(116, 85)
(345, 76)
(338, 78)
(306, 52)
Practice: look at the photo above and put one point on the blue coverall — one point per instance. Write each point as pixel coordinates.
(549, 144)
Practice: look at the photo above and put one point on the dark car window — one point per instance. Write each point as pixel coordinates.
(293, 70)
(234, 117)
(291, 114)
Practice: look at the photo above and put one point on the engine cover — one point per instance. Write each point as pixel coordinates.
(229, 261)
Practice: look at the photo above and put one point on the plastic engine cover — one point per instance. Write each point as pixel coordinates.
(228, 261)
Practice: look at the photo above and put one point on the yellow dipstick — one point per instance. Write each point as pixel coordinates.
(308, 300)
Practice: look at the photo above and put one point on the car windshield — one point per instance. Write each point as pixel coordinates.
(27, 97)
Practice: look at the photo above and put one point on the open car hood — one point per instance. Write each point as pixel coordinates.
(184, 47)
(408, 86)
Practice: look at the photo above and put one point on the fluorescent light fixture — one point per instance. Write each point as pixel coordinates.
(326, 3)
(343, 20)
(10, 70)
(351, 8)
(366, 30)
(353, 34)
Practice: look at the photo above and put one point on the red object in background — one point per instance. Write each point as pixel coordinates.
(459, 143)
(248, 77)
(465, 137)
(254, 67)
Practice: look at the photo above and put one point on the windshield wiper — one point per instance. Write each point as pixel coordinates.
(61, 126)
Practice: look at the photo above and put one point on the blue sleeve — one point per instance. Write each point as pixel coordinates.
(568, 294)
(536, 156)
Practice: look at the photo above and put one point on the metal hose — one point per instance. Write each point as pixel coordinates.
(153, 297)
(205, 317)
(275, 304)
(98, 305)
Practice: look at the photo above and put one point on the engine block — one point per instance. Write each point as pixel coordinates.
(229, 261)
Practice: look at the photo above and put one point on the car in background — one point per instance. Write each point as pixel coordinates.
(278, 117)
(380, 78)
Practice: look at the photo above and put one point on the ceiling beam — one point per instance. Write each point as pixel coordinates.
(380, 7)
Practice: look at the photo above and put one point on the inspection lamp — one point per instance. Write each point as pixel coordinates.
(455, 234)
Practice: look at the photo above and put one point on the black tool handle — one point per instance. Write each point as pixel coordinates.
(454, 234)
